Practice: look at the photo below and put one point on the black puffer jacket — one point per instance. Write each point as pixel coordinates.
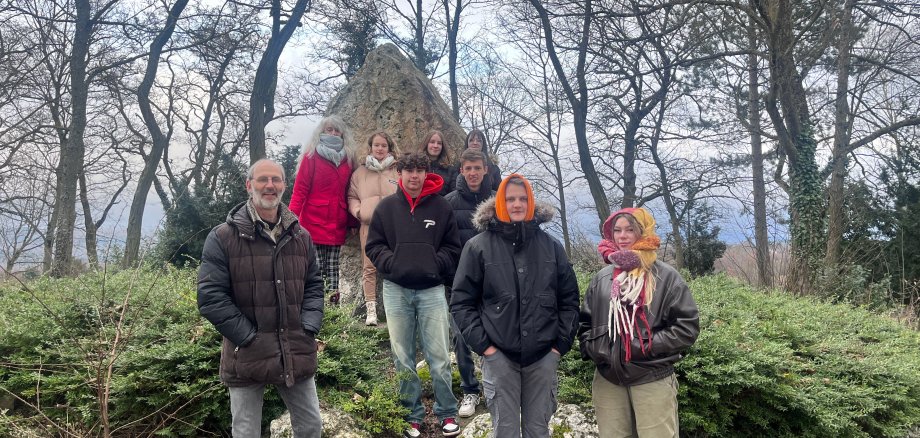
(515, 289)
(265, 298)
(464, 202)
(672, 315)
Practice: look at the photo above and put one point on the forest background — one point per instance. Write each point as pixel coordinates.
(792, 125)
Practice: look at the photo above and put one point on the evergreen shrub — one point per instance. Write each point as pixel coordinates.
(56, 342)
(769, 364)
(765, 364)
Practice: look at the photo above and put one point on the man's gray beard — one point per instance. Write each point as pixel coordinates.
(262, 203)
(265, 205)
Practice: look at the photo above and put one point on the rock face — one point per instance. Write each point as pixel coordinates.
(389, 93)
(336, 424)
(569, 421)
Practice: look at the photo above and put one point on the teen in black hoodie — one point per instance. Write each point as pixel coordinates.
(413, 242)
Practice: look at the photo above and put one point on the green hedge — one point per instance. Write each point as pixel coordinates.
(765, 363)
(57, 338)
(768, 364)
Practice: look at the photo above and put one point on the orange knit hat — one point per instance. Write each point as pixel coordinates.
(501, 210)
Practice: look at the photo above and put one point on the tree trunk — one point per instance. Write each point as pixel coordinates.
(213, 96)
(680, 259)
(48, 247)
(160, 141)
(421, 56)
(262, 101)
(630, 146)
(92, 250)
(453, 28)
(796, 136)
(71, 158)
(761, 239)
(836, 219)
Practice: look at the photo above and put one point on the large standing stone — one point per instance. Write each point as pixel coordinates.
(389, 93)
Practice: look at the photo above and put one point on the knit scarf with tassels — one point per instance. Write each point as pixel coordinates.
(630, 294)
(627, 303)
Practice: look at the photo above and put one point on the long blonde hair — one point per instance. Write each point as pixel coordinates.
(351, 149)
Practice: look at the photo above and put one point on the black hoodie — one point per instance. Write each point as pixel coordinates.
(414, 243)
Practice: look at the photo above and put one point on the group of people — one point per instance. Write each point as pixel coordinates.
(460, 251)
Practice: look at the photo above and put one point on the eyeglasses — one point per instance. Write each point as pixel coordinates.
(265, 180)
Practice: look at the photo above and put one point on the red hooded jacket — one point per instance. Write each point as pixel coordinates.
(319, 199)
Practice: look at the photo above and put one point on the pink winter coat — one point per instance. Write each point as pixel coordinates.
(318, 199)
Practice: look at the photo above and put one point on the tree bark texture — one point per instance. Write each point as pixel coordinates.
(421, 56)
(763, 253)
(836, 217)
(92, 250)
(787, 106)
(262, 101)
(72, 151)
(630, 148)
(159, 139)
(453, 29)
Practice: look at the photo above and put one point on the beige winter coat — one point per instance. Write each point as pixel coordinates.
(367, 188)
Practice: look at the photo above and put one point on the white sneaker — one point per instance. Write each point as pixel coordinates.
(413, 431)
(371, 313)
(468, 405)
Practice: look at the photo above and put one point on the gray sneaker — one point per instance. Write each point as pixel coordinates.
(468, 405)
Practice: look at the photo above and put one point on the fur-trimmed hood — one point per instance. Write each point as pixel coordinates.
(485, 213)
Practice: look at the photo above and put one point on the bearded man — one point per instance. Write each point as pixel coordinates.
(259, 284)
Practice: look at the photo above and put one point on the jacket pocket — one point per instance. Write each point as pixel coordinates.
(260, 361)
(548, 315)
(497, 306)
(303, 350)
(316, 212)
(599, 346)
(413, 263)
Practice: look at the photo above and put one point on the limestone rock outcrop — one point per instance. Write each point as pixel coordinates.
(389, 93)
(336, 424)
(569, 421)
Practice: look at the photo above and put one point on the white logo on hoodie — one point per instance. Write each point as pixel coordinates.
(429, 223)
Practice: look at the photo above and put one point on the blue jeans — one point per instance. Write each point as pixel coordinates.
(300, 399)
(423, 311)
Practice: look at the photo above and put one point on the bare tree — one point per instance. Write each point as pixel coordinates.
(262, 102)
(525, 102)
(158, 138)
(761, 238)
(71, 159)
(452, 13)
(885, 51)
(577, 95)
